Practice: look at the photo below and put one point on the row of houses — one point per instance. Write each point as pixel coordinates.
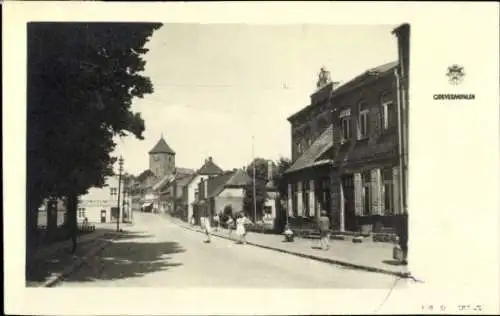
(187, 193)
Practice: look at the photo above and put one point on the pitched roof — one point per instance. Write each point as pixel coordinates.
(319, 147)
(184, 171)
(364, 78)
(183, 180)
(210, 168)
(163, 181)
(216, 184)
(239, 178)
(162, 148)
(144, 175)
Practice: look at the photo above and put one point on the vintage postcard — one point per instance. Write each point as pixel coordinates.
(251, 158)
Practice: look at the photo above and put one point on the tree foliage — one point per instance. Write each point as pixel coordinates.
(82, 78)
(261, 169)
(281, 166)
(261, 197)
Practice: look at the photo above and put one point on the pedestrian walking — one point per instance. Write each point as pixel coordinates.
(230, 224)
(324, 230)
(241, 231)
(208, 230)
(216, 222)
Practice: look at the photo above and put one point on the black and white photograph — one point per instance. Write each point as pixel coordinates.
(317, 199)
(224, 157)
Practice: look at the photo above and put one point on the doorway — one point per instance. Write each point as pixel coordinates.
(114, 213)
(103, 216)
(349, 211)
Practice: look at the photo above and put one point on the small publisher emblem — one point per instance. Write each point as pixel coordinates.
(455, 74)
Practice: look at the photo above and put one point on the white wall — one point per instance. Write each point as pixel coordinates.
(98, 199)
(271, 202)
(232, 192)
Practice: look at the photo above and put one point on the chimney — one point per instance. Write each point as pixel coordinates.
(209, 158)
(335, 85)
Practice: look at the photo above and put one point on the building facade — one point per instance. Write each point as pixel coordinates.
(191, 187)
(100, 205)
(345, 152)
(217, 192)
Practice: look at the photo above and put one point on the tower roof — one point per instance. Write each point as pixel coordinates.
(162, 148)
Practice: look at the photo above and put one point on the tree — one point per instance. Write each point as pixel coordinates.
(260, 198)
(282, 165)
(261, 168)
(82, 78)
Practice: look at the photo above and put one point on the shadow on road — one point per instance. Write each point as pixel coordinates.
(58, 257)
(128, 259)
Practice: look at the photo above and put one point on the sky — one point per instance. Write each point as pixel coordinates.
(217, 86)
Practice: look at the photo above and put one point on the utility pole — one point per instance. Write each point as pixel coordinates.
(254, 189)
(120, 170)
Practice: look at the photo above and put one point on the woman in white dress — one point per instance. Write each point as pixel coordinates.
(240, 228)
(208, 229)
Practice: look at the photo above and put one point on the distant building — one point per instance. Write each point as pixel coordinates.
(149, 191)
(217, 192)
(344, 153)
(190, 188)
(43, 216)
(100, 205)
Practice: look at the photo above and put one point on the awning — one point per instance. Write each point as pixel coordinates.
(147, 204)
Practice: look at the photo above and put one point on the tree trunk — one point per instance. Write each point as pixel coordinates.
(32, 204)
(72, 219)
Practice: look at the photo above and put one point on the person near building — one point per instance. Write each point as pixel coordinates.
(241, 231)
(230, 224)
(216, 221)
(324, 230)
(289, 235)
(208, 229)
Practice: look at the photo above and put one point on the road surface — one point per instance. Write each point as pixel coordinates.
(156, 252)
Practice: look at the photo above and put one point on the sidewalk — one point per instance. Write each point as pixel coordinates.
(51, 263)
(369, 256)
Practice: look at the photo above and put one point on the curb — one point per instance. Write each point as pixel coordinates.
(326, 260)
(73, 267)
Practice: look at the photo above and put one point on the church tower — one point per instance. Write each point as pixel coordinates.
(162, 159)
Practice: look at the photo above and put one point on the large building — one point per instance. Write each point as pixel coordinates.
(345, 152)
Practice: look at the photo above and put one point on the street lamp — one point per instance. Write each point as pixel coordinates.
(120, 170)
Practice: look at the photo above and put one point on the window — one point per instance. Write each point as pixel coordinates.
(113, 192)
(299, 147)
(387, 114)
(367, 198)
(388, 191)
(81, 212)
(345, 117)
(363, 124)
